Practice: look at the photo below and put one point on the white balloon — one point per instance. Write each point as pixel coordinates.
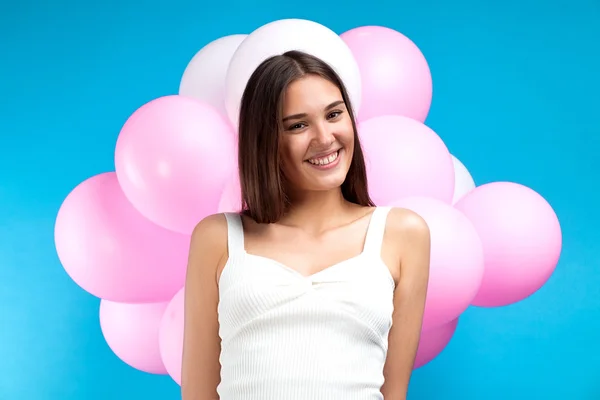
(204, 76)
(463, 182)
(284, 35)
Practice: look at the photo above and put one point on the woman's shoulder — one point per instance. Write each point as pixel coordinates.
(210, 232)
(210, 223)
(404, 224)
(209, 243)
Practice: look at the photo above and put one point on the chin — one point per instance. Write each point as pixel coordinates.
(327, 186)
(331, 181)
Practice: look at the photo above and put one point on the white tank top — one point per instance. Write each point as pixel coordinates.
(285, 336)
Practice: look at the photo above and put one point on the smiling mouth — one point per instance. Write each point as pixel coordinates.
(325, 160)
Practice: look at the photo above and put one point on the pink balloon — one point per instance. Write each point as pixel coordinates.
(405, 158)
(395, 76)
(231, 199)
(433, 342)
(131, 331)
(109, 249)
(171, 336)
(521, 238)
(457, 265)
(173, 158)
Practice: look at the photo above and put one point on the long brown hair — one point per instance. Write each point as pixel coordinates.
(262, 182)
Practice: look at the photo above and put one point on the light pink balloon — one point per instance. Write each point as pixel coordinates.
(231, 199)
(433, 342)
(405, 158)
(521, 238)
(109, 249)
(457, 265)
(463, 181)
(204, 76)
(171, 336)
(395, 76)
(131, 332)
(173, 158)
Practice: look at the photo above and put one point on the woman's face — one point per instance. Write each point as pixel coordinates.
(317, 141)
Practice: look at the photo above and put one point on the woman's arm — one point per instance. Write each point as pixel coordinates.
(410, 233)
(200, 370)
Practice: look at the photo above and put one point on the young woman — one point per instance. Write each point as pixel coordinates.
(294, 297)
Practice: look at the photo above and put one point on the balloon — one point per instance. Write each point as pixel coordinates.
(109, 249)
(521, 239)
(395, 76)
(173, 158)
(231, 199)
(131, 332)
(283, 35)
(433, 342)
(405, 158)
(204, 76)
(171, 336)
(456, 266)
(463, 182)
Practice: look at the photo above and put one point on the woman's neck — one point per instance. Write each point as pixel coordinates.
(317, 211)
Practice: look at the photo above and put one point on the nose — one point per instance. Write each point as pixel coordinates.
(323, 134)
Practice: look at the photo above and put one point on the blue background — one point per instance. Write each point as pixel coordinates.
(516, 91)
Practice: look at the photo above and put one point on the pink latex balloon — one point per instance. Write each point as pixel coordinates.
(395, 76)
(521, 238)
(433, 342)
(456, 266)
(131, 332)
(109, 249)
(171, 336)
(405, 158)
(173, 158)
(231, 199)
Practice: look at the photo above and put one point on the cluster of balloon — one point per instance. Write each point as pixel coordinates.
(123, 236)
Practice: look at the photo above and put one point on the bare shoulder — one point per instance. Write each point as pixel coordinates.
(406, 225)
(406, 239)
(208, 245)
(211, 229)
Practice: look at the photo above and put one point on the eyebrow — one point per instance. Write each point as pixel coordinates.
(303, 115)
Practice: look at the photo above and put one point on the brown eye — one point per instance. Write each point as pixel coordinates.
(334, 114)
(296, 126)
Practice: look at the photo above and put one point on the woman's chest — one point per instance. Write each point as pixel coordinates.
(255, 287)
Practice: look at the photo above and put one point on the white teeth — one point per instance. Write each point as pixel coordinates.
(324, 160)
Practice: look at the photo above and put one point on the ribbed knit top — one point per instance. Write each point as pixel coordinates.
(286, 336)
